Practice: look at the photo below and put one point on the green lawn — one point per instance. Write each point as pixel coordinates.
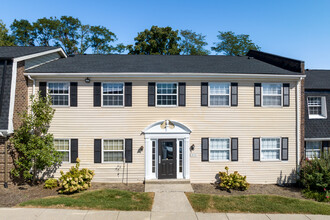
(107, 199)
(255, 204)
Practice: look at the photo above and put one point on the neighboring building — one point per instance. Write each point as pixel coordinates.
(317, 113)
(14, 61)
(135, 117)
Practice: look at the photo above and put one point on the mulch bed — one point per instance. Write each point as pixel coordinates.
(14, 194)
(268, 189)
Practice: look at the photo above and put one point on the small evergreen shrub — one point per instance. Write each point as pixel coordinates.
(51, 183)
(232, 181)
(315, 178)
(75, 180)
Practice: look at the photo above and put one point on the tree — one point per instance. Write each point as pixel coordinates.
(45, 29)
(100, 39)
(23, 32)
(32, 142)
(193, 43)
(234, 45)
(5, 39)
(157, 40)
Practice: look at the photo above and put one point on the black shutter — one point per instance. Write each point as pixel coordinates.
(286, 94)
(151, 93)
(285, 148)
(256, 149)
(257, 94)
(325, 147)
(97, 94)
(182, 94)
(205, 149)
(204, 93)
(128, 94)
(74, 150)
(73, 94)
(43, 89)
(234, 149)
(97, 150)
(128, 150)
(234, 94)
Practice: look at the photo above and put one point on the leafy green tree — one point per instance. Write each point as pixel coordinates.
(234, 45)
(100, 40)
(32, 142)
(23, 32)
(45, 29)
(83, 38)
(5, 38)
(157, 40)
(193, 43)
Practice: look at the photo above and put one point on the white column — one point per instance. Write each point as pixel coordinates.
(186, 173)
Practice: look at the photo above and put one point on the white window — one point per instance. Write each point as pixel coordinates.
(63, 145)
(272, 94)
(59, 91)
(317, 108)
(113, 150)
(167, 94)
(313, 149)
(219, 94)
(113, 94)
(270, 148)
(219, 149)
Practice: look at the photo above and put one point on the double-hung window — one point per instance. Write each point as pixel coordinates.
(219, 94)
(167, 94)
(271, 94)
(270, 148)
(59, 91)
(219, 149)
(313, 149)
(63, 146)
(113, 150)
(317, 107)
(113, 94)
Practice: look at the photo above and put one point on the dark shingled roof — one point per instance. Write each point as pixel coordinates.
(18, 51)
(317, 79)
(159, 63)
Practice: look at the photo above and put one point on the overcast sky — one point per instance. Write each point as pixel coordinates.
(298, 29)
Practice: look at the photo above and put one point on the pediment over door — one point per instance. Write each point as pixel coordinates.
(167, 127)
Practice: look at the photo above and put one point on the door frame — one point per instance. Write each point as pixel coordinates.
(175, 157)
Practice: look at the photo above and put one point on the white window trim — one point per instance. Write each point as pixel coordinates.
(323, 108)
(280, 149)
(177, 95)
(65, 139)
(319, 150)
(113, 106)
(178, 157)
(116, 162)
(228, 149)
(209, 94)
(262, 96)
(55, 106)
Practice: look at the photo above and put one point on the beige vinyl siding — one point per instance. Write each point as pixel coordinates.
(37, 61)
(245, 121)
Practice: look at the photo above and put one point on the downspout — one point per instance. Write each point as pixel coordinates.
(298, 123)
(34, 84)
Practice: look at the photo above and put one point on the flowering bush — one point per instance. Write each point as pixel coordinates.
(315, 178)
(75, 180)
(232, 181)
(51, 183)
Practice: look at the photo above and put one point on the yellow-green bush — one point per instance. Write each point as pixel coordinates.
(51, 183)
(232, 181)
(75, 180)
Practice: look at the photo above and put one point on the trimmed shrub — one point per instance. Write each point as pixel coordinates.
(75, 180)
(232, 181)
(51, 183)
(315, 177)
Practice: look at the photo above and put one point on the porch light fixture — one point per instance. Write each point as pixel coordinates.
(87, 80)
(192, 147)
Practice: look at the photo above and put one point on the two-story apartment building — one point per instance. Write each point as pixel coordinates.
(135, 117)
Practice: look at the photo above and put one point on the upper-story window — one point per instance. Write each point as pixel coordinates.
(167, 94)
(317, 107)
(271, 94)
(113, 94)
(63, 145)
(219, 94)
(270, 148)
(59, 91)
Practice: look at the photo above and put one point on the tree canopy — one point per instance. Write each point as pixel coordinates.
(5, 38)
(192, 43)
(234, 45)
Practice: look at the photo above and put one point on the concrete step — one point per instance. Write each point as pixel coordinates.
(167, 181)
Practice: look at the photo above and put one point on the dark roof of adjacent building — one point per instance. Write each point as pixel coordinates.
(160, 63)
(317, 79)
(18, 51)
